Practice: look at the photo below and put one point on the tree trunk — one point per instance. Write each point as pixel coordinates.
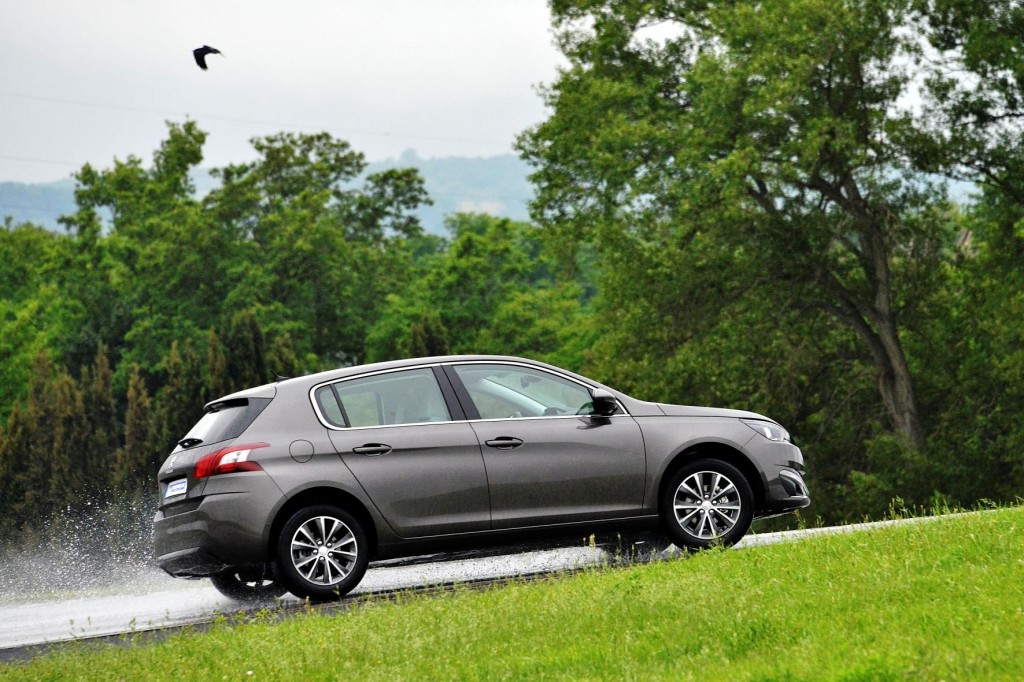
(897, 388)
(875, 323)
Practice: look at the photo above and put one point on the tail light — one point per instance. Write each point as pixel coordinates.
(229, 460)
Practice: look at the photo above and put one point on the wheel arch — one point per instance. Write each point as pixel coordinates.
(722, 452)
(323, 495)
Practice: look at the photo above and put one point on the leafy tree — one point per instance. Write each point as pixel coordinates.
(35, 310)
(66, 448)
(974, 358)
(19, 470)
(468, 297)
(149, 277)
(218, 379)
(42, 451)
(318, 248)
(281, 358)
(102, 425)
(134, 461)
(32, 259)
(139, 199)
(179, 404)
(27, 330)
(545, 323)
(771, 132)
(427, 337)
(975, 81)
(244, 344)
(973, 104)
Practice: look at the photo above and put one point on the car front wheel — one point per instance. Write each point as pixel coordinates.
(322, 552)
(707, 502)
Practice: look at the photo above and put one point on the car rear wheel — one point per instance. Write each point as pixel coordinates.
(322, 552)
(707, 502)
(247, 588)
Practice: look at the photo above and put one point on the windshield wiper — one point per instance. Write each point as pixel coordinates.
(189, 442)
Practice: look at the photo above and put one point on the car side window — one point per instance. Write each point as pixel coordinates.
(512, 392)
(405, 397)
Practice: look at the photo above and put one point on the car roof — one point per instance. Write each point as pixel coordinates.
(309, 380)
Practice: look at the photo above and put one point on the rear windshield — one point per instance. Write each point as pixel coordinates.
(224, 421)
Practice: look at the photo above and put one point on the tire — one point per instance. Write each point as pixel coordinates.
(322, 552)
(238, 587)
(707, 502)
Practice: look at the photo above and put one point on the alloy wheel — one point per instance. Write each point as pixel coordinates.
(707, 505)
(324, 550)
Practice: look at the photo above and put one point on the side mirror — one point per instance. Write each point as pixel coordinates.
(605, 404)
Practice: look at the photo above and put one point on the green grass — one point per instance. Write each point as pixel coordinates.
(940, 600)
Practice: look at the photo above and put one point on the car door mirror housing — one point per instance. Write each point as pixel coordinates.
(605, 404)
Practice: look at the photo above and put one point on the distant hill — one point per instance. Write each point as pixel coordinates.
(37, 203)
(496, 185)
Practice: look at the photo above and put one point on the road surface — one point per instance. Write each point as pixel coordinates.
(146, 599)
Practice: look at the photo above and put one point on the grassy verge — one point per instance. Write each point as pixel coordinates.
(933, 601)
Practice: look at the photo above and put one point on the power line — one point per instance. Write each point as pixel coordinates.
(51, 162)
(230, 119)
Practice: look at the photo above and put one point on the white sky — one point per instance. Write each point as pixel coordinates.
(90, 81)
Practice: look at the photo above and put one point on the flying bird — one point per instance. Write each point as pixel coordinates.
(200, 54)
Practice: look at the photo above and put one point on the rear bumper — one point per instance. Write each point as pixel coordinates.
(208, 535)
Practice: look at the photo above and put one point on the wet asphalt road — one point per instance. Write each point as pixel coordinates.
(154, 600)
(151, 600)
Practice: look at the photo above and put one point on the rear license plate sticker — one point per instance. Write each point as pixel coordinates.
(176, 488)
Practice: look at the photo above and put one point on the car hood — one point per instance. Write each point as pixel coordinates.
(692, 411)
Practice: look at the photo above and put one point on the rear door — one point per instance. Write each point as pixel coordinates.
(548, 460)
(423, 471)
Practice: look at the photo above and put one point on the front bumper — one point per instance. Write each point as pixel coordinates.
(786, 493)
(783, 481)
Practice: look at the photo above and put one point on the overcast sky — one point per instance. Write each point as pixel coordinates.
(90, 81)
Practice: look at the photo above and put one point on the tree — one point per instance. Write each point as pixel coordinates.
(975, 81)
(427, 337)
(470, 295)
(244, 345)
(152, 275)
(37, 305)
(218, 378)
(179, 403)
(42, 451)
(68, 483)
(766, 136)
(133, 465)
(20, 471)
(322, 251)
(281, 358)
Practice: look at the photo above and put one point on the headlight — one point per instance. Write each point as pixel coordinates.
(769, 430)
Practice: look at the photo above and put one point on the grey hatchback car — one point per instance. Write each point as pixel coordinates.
(296, 486)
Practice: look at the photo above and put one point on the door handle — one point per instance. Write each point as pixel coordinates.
(372, 449)
(504, 443)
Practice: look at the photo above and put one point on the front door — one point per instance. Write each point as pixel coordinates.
(548, 460)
